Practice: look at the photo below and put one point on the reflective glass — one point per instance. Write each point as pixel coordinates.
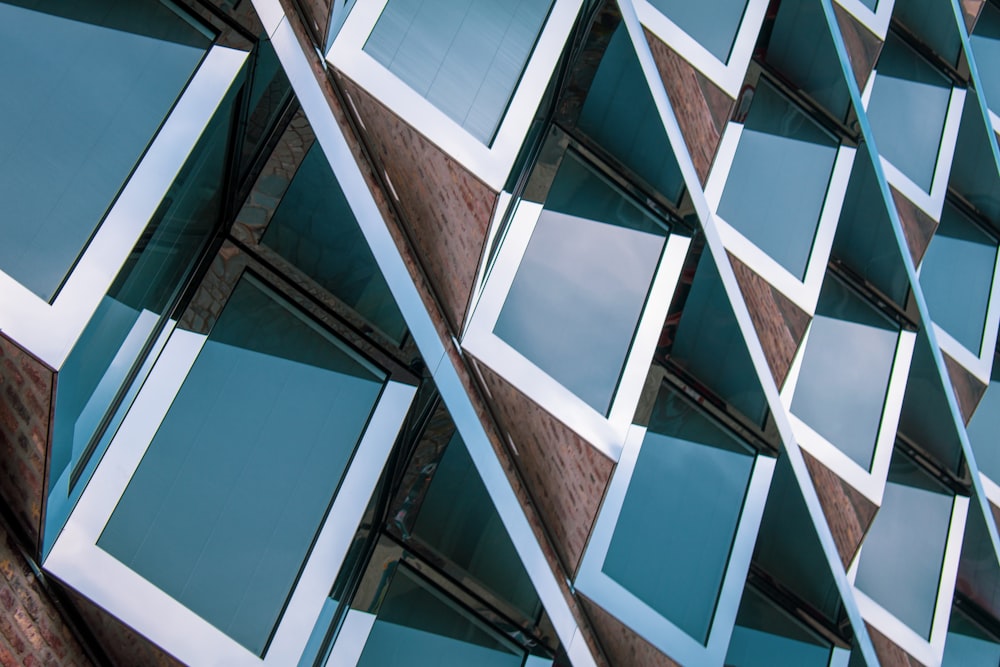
(846, 366)
(765, 636)
(968, 646)
(591, 258)
(315, 229)
(986, 49)
(902, 553)
(712, 23)
(464, 56)
(984, 427)
(907, 110)
(956, 277)
(224, 506)
(470, 533)
(418, 626)
(620, 115)
(671, 545)
(81, 106)
(777, 184)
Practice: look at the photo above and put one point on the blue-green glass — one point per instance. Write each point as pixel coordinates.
(778, 180)
(591, 258)
(81, 105)
(845, 372)
(227, 500)
(902, 554)
(968, 646)
(956, 277)
(907, 110)
(469, 533)
(315, 229)
(418, 626)
(464, 56)
(986, 50)
(671, 545)
(620, 115)
(712, 23)
(984, 427)
(764, 636)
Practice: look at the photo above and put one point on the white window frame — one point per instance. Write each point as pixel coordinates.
(49, 330)
(76, 558)
(606, 433)
(491, 163)
(727, 75)
(639, 616)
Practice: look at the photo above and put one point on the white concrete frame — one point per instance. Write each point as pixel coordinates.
(491, 163)
(640, 617)
(803, 292)
(49, 331)
(606, 433)
(929, 202)
(877, 21)
(870, 482)
(727, 75)
(928, 652)
(77, 560)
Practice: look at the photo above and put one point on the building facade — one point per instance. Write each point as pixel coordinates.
(456, 332)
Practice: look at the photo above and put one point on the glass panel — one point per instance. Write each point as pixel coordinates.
(464, 56)
(968, 646)
(676, 527)
(116, 338)
(315, 229)
(81, 107)
(777, 184)
(956, 277)
(713, 23)
(469, 533)
(223, 508)
(845, 372)
(902, 554)
(986, 49)
(418, 626)
(907, 110)
(619, 114)
(591, 258)
(765, 636)
(984, 427)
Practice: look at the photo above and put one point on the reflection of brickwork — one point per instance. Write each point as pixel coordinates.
(862, 45)
(214, 291)
(565, 474)
(918, 227)
(446, 210)
(889, 654)
(622, 645)
(968, 389)
(848, 512)
(32, 632)
(26, 391)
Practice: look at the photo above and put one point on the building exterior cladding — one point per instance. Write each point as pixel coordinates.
(548, 332)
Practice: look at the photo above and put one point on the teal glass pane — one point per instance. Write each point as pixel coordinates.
(115, 340)
(80, 108)
(902, 553)
(984, 427)
(956, 277)
(907, 110)
(463, 56)
(986, 50)
(620, 115)
(845, 372)
(968, 646)
(712, 23)
(469, 533)
(765, 636)
(227, 500)
(778, 180)
(315, 229)
(591, 258)
(671, 545)
(418, 626)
